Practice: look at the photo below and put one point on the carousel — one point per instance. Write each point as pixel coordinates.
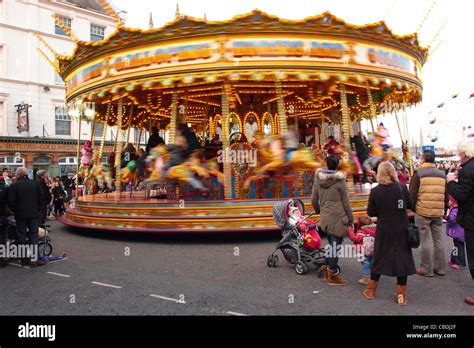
(250, 88)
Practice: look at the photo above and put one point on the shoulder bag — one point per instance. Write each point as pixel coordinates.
(413, 234)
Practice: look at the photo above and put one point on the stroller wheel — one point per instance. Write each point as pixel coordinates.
(45, 249)
(301, 268)
(272, 261)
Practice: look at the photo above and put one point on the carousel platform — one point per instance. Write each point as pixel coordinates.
(130, 213)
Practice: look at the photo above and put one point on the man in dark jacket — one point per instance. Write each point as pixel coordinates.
(191, 140)
(24, 199)
(3, 220)
(154, 140)
(463, 192)
(45, 193)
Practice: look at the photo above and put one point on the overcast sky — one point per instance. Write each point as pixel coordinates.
(448, 71)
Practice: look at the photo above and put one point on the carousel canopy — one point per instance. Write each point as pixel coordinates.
(194, 59)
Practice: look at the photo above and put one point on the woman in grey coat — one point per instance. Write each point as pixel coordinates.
(330, 199)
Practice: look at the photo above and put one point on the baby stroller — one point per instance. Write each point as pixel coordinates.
(289, 216)
(45, 248)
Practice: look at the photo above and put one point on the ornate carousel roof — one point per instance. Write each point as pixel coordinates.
(258, 22)
(193, 60)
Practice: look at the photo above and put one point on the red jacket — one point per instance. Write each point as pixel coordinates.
(358, 238)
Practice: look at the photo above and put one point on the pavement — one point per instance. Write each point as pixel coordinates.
(107, 274)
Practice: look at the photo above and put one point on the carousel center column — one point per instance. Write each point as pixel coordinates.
(174, 116)
(226, 142)
(346, 129)
(118, 150)
(282, 123)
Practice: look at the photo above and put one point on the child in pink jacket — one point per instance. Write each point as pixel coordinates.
(364, 242)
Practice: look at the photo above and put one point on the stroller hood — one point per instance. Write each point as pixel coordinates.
(280, 211)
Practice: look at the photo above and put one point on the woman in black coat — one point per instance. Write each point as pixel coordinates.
(392, 255)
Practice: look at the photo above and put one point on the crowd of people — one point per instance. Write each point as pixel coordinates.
(433, 193)
(31, 202)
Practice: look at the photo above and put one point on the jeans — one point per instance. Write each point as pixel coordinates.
(27, 230)
(333, 248)
(433, 259)
(469, 241)
(367, 265)
(458, 255)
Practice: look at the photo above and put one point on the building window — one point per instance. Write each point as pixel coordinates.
(137, 133)
(67, 22)
(1, 60)
(63, 121)
(97, 33)
(98, 129)
(1, 116)
(58, 79)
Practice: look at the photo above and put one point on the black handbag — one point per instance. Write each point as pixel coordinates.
(413, 234)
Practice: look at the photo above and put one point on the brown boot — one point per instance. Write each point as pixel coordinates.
(324, 269)
(402, 295)
(369, 293)
(333, 279)
(469, 301)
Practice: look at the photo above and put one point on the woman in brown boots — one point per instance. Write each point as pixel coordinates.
(330, 199)
(392, 255)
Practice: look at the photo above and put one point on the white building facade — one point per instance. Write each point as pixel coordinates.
(26, 77)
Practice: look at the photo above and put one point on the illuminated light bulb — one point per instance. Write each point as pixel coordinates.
(79, 102)
(114, 90)
(89, 113)
(234, 77)
(388, 82)
(210, 78)
(343, 78)
(303, 76)
(188, 79)
(324, 76)
(167, 82)
(148, 84)
(130, 87)
(258, 76)
(374, 80)
(280, 75)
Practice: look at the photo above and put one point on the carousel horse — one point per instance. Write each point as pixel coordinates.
(100, 175)
(128, 172)
(86, 159)
(273, 162)
(165, 167)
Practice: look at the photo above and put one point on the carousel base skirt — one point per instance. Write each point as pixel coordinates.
(133, 213)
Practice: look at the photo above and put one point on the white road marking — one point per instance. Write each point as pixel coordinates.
(107, 285)
(238, 314)
(18, 265)
(59, 274)
(167, 298)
